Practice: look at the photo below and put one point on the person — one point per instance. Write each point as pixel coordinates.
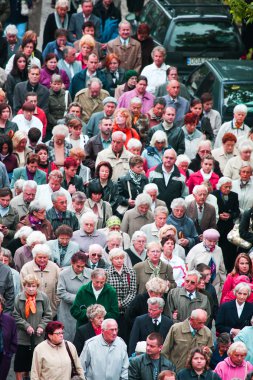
(243, 187)
(197, 365)
(174, 99)
(109, 351)
(226, 151)
(6, 155)
(193, 333)
(152, 190)
(137, 251)
(77, 20)
(122, 122)
(172, 74)
(32, 312)
(7, 259)
(19, 73)
(25, 120)
(12, 40)
(86, 47)
(8, 217)
(110, 16)
(96, 257)
(76, 138)
(235, 365)
(148, 365)
(234, 164)
(153, 321)
(70, 280)
(57, 45)
(96, 203)
(94, 124)
(245, 336)
(192, 135)
(156, 112)
(208, 111)
(95, 315)
(7, 127)
(7, 287)
(154, 152)
(142, 35)
(58, 214)
(115, 75)
(130, 83)
(204, 149)
(22, 201)
(46, 364)
(156, 72)
(96, 291)
(170, 230)
(77, 205)
(68, 62)
(220, 351)
(58, 147)
(203, 123)
(152, 229)
(167, 375)
(49, 68)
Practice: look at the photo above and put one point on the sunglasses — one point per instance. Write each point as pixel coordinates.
(95, 254)
(190, 282)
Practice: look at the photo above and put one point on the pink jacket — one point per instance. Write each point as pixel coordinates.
(229, 285)
(227, 370)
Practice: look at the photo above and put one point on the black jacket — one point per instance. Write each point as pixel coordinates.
(141, 367)
(103, 13)
(135, 190)
(227, 317)
(246, 225)
(7, 287)
(175, 136)
(113, 84)
(231, 206)
(195, 165)
(83, 333)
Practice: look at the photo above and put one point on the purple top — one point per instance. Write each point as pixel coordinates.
(45, 77)
(147, 100)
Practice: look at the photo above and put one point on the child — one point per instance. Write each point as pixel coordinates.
(76, 137)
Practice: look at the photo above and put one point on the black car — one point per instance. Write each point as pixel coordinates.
(192, 32)
(229, 81)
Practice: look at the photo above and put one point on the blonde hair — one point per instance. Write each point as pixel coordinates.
(31, 279)
(126, 113)
(18, 136)
(87, 40)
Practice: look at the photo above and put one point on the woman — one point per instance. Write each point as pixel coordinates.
(177, 264)
(192, 135)
(153, 266)
(242, 267)
(46, 364)
(58, 147)
(226, 151)
(86, 47)
(170, 230)
(123, 122)
(130, 83)
(113, 225)
(153, 154)
(152, 190)
(58, 44)
(96, 291)
(6, 155)
(137, 251)
(19, 73)
(235, 315)
(197, 366)
(95, 315)
(6, 126)
(243, 187)
(9, 337)
(49, 68)
(70, 281)
(20, 238)
(134, 146)
(182, 163)
(114, 74)
(147, 44)
(83, 171)
(20, 148)
(229, 211)
(96, 203)
(203, 123)
(31, 312)
(76, 138)
(7, 259)
(234, 165)
(205, 173)
(220, 351)
(71, 182)
(42, 151)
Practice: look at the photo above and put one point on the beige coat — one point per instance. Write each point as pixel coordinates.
(222, 158)
(233, 167)
(90, 105)
(130, 56)
(133, 221)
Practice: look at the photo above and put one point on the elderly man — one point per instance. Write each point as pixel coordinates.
(58, 214)
(105, 355)
(172, 74)
(21, 202)
(156, 73)
(145, 324)
(110, 105)
(77, 20)
(91, 98)
(204, 149)
(175, 100)
(95, 259)
(13, 42)
(170, 183)
(181, 301)
(116, 155)
(68, 63)
(142, 367)
(152, 230)
(182, 336)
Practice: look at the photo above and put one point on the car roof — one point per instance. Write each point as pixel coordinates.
(233, 70)
(194, 7)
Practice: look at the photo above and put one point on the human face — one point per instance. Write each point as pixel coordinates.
(226, 188)
(178, 212)
(243, 266)
(59, 139)
(40, 215)
(5, 260)
(31, 289)
(245, 173)
(92, 65)
(154, 311)
(158, 58)
(173, 88)
(210, 243)
(104, 173)
(57, 337)
(117, 144)
(132, 81)
(11, 38)
(77, 206)
(198, 362)
(89, 30)
(152, 194)
(136, 151)
(98, 282)
(34, 76)
(169, 115)
(207, 274)
(207, 106)
(142, 36)
(113, 65)
(71, 56)
(240, 117)
(198, 323)
(5, 149)
(109, 109)
(197, 109)
(21, 63)
(143, 209)
(200, 197)
(96, 197)
(78, 266)
(138, 169)
(75, 110)
(135, 108)
(113, 243)
(118, 262)
(32, 167)
(169, 159)
(87, 8)
(158, 110)
(107, 3)
(141, 87)
(111, 332)
(5, 114)
(29, 194)
(183, 166)
(28, 49)
(246, 155)
(95, 90)
(55, 184)
(153, 350)
(190, 283)
(62, 11)
(28, 114)
(22, 145)
(242, 295)
(139, 244)
(204, 150)
(207, 166)
(32, 99)
(86, 50)
(223, 347)
(229, 147)
(60, 204)
(64, 239)
(97, 320)
(124, 31)
(41, 259)
(106, 127)
(89, 226)
(173, 75)
(154, 254)
(56, 86)
(51, 64)
(71, 171)
(43, 156)
(120, 119)
(237, 357)
(61, 41)
(168, 248)
(160, 219)
(190, 127)
(95, 256)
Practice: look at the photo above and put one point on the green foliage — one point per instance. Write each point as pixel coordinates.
(241, 9)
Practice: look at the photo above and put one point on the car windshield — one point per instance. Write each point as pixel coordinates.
(203, 36)
(237, 93)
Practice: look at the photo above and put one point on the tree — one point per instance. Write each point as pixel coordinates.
(242, 10)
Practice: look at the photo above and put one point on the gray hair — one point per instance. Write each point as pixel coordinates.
(160, 49)
(135, 100)
(19, 184)
(159, 136)
(36, 205)
(94, 80)
(242, 285)
(178, 202)
(245, 145)
(118, 134)
(124, 22)
(143, 199)
(116, 252)
(95, 247)
(195, 313)
(11, 29)
(182, 158)
(237, 346)
(106, 322)
(155, 301)
(114, 235)
(57, 194)
(171, 150)
(41, 249)
(31, 184)
(150, 187)
(79, 196)
(24, 231)
(157, 285)
(56, 78)
(240, 108)
(62, 3)
(134, 143)
(152, 244)
(36, 236)
(194, 273)
(94, 310)
(99, 272)
(89, 215)
(198, 188)
(222, 182)
(60, 129)
(161, 210)
(203, 143)
(137, 235)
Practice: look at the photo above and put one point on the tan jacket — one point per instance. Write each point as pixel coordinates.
(133, 221)
(90, 105)
(130, 56)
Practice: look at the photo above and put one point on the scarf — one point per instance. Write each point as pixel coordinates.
(156, 270)
(34, 222)
(30, 305)
(206, 176)
(2, 157)
(58, 22)
(136, 178)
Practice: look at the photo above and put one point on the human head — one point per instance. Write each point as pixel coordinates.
(173, 88)
(124, 29)
(245, 149)
(224, 185)
(87, 7)
(88, 28)
(110, 104)
(167, 375)
(169, 158)
(92, 66)
(152, 190)
(20, 64)
(112, 62)
(5, 196)
(29, 191)
(196, 107)
(78, 199)
(95, 253)
(154, 251)
(141, 85)
(78, 260)
(62, 7)
(55, 179)
(190, 122)
(60, 132)
(198, 319)
(31, 279)
(156, 287)
(237, 353)
(155, 307)
(23, 234)
(178, 207)
(134, 146)
(154, 345)
(131, 78)
(113, 223)
(223, 342)
(54, 332)
(109, 330)
(143, 31)
(198, 359)
(228, 142)
(5, 111)
(6, 145)
(88, 222)
(159, 140)
(204, 148)
(41, 250)
(11, 33)
(95, 314)
(240, 112)
(69, 54)
(61, 36)
(183, 162)
(207, 163)
(59, 201)
(86, 45)
(200, 194)
(242, 291)
(159, 107)
(34, 75)
(117, 256)
(118, 140)
(114, 240)
(191, 281)
(143, 203)
(98, 278)
(243, 264)
(35, 237)
(245, 172)
(160, 216)
(139, 241)
(207, 101)
(122, 118)
(64, 233)
(158, 55)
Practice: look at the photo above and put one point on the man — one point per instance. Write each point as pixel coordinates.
(202, 213)
(95, 259)
(7, 287)
(175, 135)
(77, 20)
(116, 155)
(172, 74)
(126, 48)
(181, 301)
(58, 214)
(8, 217)
(21, 202)
(80, 80)
(187, 334)
(145, 324)
(152, 230)
(170, 183)
(54, 184)
(77, 205)
(148, 366)
(156, 112)
(98, 143)
(156, 72)
(110, 105)
(178, 102)
(105, 355)
(32, 84)
(69, 63)
(30, 171)
(25, 120)
(109, 16)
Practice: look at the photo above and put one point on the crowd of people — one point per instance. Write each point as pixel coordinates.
(126, 208)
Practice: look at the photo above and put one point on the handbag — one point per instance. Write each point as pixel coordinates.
(74, 371)
(234, 237)
(122, 209)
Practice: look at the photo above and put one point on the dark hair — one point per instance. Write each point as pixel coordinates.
(63, 230)
(94, 188)
(5, 139)
(135, 160)
(31, 93)
(228, 137)
(206, 97)
(34, 134)
(60, 32)
(143, 28)
(166, 238)
(27, 106)
(142, 77)
(32, 158)
(79, 256)
(52, 326)
(236, 267)
(201, 267)
(190, 118)
(4, 191)
(223, 338)
(70, 161)
(159, 100)
(156, 336)
(51, 56)
(26, 42)
(15, 72)
(249, 376)
(88, 24)
(104, 163)
(195, 101)
(3, 106)
(40, 147)
(197, 350)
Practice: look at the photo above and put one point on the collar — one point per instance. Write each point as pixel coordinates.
(165, 171)
(159, 319)
(239, 306)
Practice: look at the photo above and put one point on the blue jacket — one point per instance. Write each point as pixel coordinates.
(20, 173)
(186, 226)
(52, 47)
(78, 82)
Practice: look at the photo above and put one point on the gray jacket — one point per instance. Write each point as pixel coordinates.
(7, 287)
(19, 205)
(141, 367)
(55, 253)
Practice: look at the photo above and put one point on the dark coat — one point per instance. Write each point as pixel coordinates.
(189, 374)
(9, 329)
(227, 317)
(92, 148)
(9, 127)
(246, 225)
(137, 307)
(78, 81)
(231, 206)
(175, 136)
(134, 259)
(113, 84)
(45, 227)
(7, 287)
(49, 29)
(208, 219)
(83, 333)
(111, 193)
(76, 181)
(10, 85)
(76, 23)
(195, 165)
(141, 367)
(20, 91)
(135, 190)
(68, 218)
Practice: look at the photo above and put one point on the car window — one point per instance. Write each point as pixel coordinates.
(156, 20)
(196, 79)
(147, 15)
(238, 94)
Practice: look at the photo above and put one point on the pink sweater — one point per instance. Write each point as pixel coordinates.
(228, 370)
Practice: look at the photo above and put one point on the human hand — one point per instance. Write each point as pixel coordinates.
(39, 331)
(30, 330)
(71, 189)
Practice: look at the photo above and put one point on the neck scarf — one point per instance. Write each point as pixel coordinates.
(206, 176)
(136, 178)
(58, 22)
(30, 305)
(156, 270)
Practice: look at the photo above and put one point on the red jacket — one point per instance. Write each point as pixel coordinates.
(130, 133)
(197, 179)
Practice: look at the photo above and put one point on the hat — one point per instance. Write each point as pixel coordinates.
(211, 233)
(113, 221)
(130, 73)
(109, 99)
(141, 347)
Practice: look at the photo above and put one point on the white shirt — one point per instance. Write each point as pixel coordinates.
(96, 292)
(239, 308)
(167, 175)
(44, 193)
(25, 125)
(178, 266)
(156, 76)
(158, 319)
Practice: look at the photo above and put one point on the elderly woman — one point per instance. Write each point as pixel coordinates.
(70, 280)
(229, 211)
(192, 135)
(209, 253)
(20, 238)
(140, 215)
(130, 79)
(88, 233)
(123, 122)
(7, 259)
(137, 251)
(46, 363)
(96, 291)
(186, 230)
(153, 154)
(32, 312)
(96, 203)
(177, 264)
(245, 336)
(170, 230)
(24, 254)
(182, 163)
(114, 74)
(235, 366)
(152, 230)
(36, 219)
(97, 257)
(226, 151)
(153, 266)
(243, 187)
(205, 173)
(113, 224)
(20, 148)
(135, 146)
(152, 190)
(58, 148)
(234, 165)
(46, 271)
(86, 46)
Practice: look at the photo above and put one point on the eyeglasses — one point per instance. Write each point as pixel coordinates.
(95, 254)
(58, 333)
(190, 282)
(205, 151)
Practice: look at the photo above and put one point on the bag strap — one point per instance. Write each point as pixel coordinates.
(66, 98)
(70, 355)
(104, 209)
(129, 189)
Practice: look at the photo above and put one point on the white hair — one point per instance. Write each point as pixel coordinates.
(62, 3)
(204, 143)
(24, 231)
(159, 136)
(182, 158)
(31, 184)
(156, 301)
(95, 247)
(118, 134)
(19, 184)
(89, 215)
(161, 210)
(36, 205)
(197, 188)
(222, 182)
(137, 235)
(114, 235)
(106, 322)
(194, 273)
(11, 29)
(245, 145)
(60, 129)
(134, 143)
(242, 285)
(36, 236)
(240, 108)
(237, 346)
(42, 249)
(116, 252)
(178, 202)
(143, 199)
(150, 187)
(135, 100)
